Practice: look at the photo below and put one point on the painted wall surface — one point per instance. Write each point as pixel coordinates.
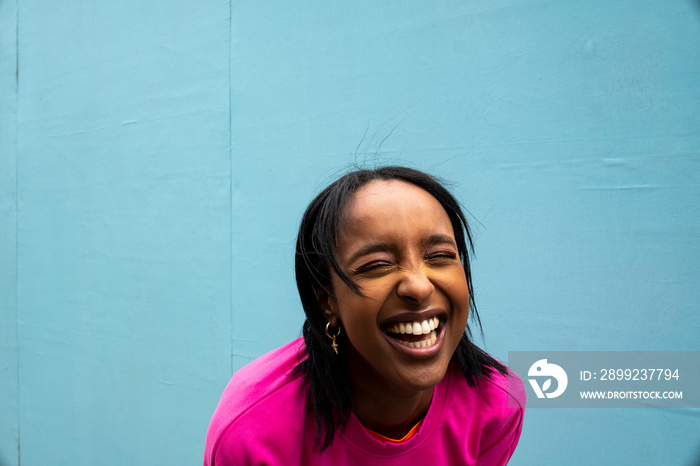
(157, 157)
(124, 256)
(9, 362)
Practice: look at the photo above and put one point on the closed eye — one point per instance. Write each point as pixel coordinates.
(442, 255)
(373, 266)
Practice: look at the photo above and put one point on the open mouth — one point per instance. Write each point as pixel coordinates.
(418, 334)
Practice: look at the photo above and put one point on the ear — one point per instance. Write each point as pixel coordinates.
(328, 305)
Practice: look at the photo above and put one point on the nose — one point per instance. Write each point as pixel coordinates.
(415, 286)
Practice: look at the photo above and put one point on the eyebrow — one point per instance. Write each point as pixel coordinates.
(369, 249)
(432, 240)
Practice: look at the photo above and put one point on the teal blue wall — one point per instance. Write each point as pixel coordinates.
(155, 159)
(9, 362)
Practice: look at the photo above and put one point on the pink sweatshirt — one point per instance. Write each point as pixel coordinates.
(261, 419)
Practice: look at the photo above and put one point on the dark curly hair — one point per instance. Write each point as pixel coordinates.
(329, 389)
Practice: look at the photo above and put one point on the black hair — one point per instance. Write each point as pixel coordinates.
(329, 389)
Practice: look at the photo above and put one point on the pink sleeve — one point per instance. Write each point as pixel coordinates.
(229, 452)
(261, 414)
(501, 437)
(255, 439)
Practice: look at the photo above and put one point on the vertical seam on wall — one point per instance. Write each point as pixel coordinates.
(230, 182)
(17, 335)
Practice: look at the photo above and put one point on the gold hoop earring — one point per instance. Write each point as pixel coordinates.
(334, 345)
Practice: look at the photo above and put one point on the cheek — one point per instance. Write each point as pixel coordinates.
(351, 306)
(357, 317)
(454, 284)
(355, 311)
(457, 291)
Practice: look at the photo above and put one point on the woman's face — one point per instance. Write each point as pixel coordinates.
(397, 243)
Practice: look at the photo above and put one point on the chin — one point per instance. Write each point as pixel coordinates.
(425, 379)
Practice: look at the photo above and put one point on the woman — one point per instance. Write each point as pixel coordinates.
(386, 372)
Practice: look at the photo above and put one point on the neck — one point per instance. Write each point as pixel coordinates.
(388, 410)
(391, 418)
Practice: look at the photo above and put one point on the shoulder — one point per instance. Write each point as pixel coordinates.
(263, 403)
(504, 391)
(496, 394)
(490, 414)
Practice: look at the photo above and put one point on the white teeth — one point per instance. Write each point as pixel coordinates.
(416, 328)
(430, 341)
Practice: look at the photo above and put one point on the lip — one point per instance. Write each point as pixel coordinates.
(418, 316)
